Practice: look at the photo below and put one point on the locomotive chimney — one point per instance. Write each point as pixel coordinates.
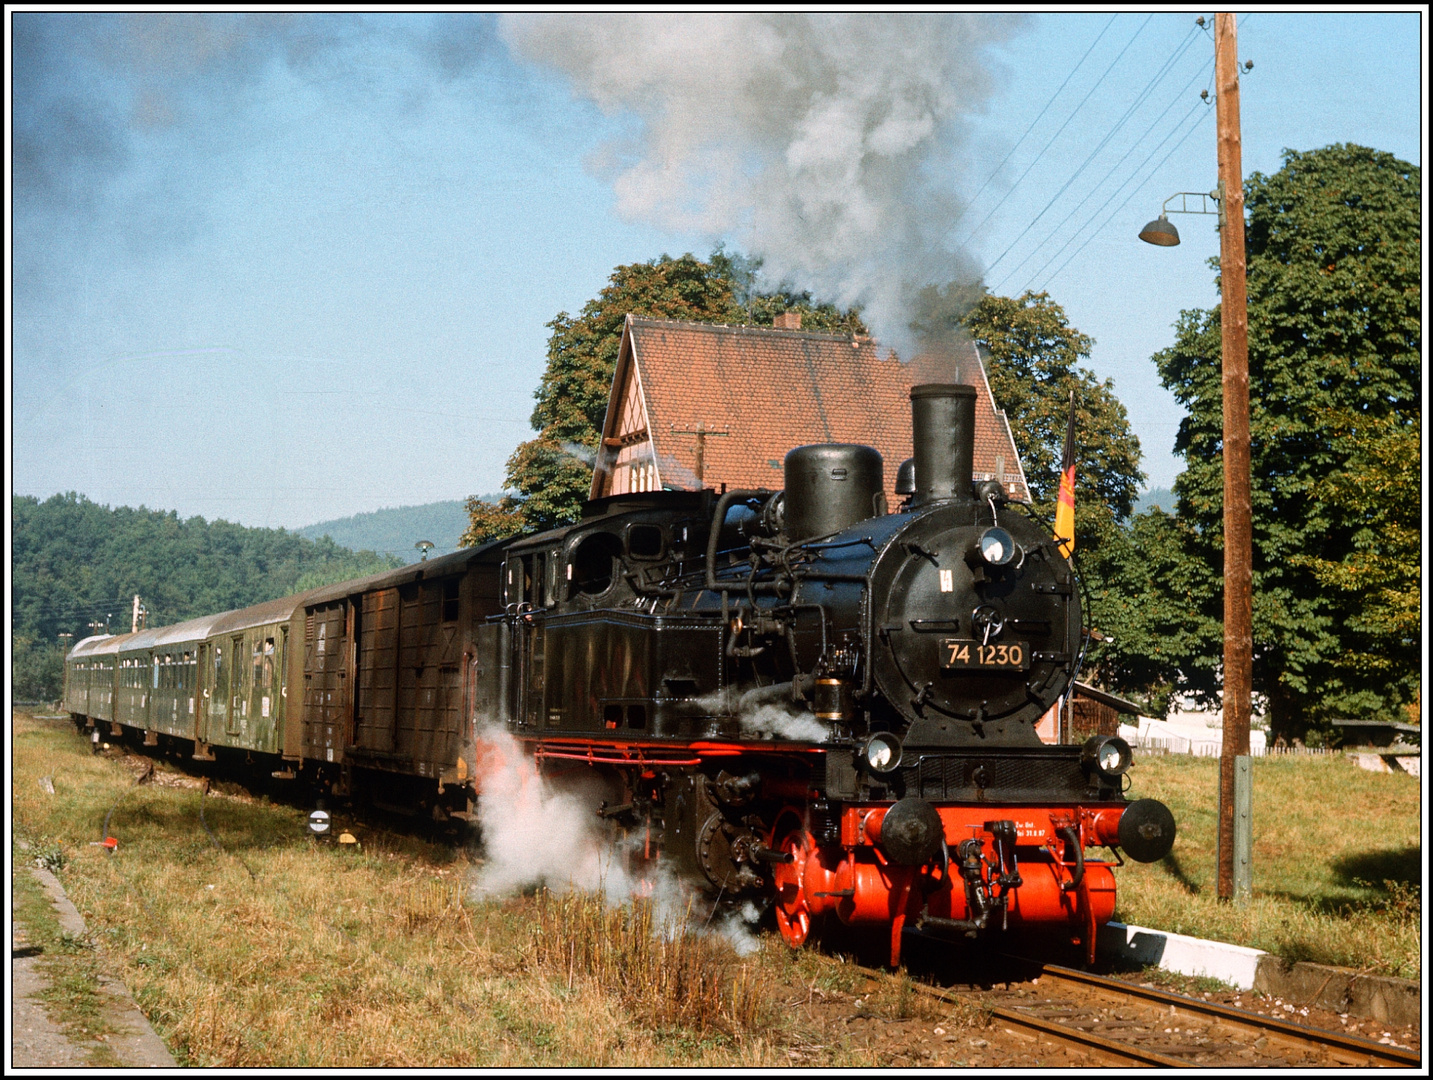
(943, 433)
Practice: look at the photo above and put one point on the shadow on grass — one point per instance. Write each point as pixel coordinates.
(1374, 868)
(1401, 903)
(1171, 865)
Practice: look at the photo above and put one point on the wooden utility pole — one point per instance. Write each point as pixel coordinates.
(1238, 529)
(701, 431)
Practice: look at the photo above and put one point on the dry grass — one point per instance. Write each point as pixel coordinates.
(662, 969)
(1337, 862)
(273, 951)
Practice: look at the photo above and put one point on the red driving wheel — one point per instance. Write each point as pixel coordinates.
(792, 915)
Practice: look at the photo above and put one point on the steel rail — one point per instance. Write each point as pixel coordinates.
(1110, 1051)
(1352, 1049)
(1121, 1053)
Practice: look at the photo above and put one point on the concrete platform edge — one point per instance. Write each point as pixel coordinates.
(1381, 997)
(1234, 964)
(139, 1046)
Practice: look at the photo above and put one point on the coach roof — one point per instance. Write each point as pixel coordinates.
(455, 563)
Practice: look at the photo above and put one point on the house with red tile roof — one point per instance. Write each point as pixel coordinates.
(697, 405)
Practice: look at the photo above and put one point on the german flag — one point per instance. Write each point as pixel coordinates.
(1065, 508)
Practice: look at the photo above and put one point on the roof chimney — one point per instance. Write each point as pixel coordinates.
(787, 320)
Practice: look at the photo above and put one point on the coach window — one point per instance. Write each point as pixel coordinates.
(450, 599)
(266, 679)
(155, 684)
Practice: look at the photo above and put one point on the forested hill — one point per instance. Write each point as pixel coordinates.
(74, 561)
(395, 531)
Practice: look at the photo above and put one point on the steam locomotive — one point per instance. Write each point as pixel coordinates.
(794, 696)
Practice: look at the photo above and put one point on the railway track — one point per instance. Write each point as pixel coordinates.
(1104, 1021)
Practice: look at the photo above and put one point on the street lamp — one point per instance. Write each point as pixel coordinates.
(1161, 232)
(1238, 527)
(425, 546)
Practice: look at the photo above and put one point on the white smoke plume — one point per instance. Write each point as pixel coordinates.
(822, 142)
(761, 716)
(578, 452)
(782, 723)
(535, 833)
(540, 833)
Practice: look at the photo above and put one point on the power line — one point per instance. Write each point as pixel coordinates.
(974, 198)
(1140, 99)
(1138, 142)
(1098, 82)
(1072, 178)
(1193, 128)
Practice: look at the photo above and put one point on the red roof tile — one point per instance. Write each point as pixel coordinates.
(765, 391)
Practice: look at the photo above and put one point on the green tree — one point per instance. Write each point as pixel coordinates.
(1032, 353)
(548, 477)
(1379, 578)
(1334, 253)
(73, 562)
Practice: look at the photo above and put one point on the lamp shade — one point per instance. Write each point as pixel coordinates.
(1161, 232)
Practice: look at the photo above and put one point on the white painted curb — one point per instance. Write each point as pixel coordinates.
(1233, 964)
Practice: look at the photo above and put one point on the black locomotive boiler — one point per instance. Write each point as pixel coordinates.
(791, 695)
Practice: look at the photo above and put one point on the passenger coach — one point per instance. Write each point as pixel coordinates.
(368, 683)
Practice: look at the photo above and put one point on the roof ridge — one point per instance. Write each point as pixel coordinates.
(739, 328)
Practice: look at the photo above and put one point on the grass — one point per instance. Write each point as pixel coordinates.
(269, 951)
(1337, 862)
(660, 969)
(272, 951)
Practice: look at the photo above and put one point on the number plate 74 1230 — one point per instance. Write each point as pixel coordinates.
(962, 654)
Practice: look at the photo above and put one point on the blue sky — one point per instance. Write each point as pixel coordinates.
(280, 269)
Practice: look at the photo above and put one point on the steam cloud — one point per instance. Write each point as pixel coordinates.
(758, 715)
(783, 724)
(537, 832)
(819, 141)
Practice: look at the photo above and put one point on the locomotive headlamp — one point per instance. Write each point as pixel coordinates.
(882, 753)
(1108, 754)
(997, 547)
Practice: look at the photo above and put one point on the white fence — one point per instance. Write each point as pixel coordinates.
(1167, 742)
(1164, 738)
(1175, 744)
